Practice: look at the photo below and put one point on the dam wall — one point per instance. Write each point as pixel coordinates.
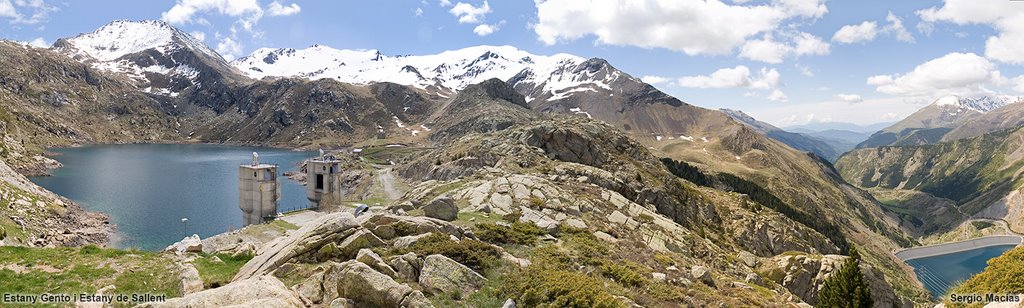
(947, 248)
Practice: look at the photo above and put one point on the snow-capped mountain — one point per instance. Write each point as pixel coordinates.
(164, 59)
(931, 123)
(980, 103)
(452, 70)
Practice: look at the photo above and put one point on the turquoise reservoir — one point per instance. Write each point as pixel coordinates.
(939, 273)
(147, 189)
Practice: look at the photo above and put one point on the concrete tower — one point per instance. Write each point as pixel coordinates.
(258, 191)
(323, 180)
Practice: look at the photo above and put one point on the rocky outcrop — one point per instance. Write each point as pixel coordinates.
(327, 229)
(805, 275)
(371, 258)
(360, 283)
(259, 291)
(188, 280)
(441, 275)
(188, 244)
(442, 208)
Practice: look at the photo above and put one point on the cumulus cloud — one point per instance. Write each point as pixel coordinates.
(276, 9)
(768, 50)
(184, 10)
(863, 32)
(896, 29)
(26, 11)
(954, 73)
(777, 96)
(418, 12)
(849, 98)
(444, 3)
(229, 48)
(248, 12)
(1003, 16)
(693, 27)
(487, 29)
(7, 9)
(469, 14)
(738, 77)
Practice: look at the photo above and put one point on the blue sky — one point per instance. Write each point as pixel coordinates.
(783, 61)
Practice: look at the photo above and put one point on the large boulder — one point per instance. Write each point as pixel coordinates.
(308, 239)
(702, 274)
(407, 266)
(366, 287)
(442, 208)
(260, 291)
(360, 239)
(188, 280)
(188, 244)
(443, 275)
(374, 260)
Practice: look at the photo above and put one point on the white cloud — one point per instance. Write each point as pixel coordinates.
(487, 29)
(895, 28)
(768, 50)
(229, 48)
(444, 3)
(764, 50)
(198, 35)
(37, 11)
(693, 27)
(276, 9)
(777, 96)
(925, 28)
(954, 73)
(183, 11)
(38, 42)
(419, 11)
(738, 77)
(1003, 16)
(7, 9)
(469, 14)
(654, 79)
(863, 32)
(849, 98)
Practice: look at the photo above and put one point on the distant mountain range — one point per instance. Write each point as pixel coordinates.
(482, 113)
(932, 123)
(826, 144)
(843, 126)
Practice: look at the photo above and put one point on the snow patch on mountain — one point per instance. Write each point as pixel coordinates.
(453, 69)
(123, 37)
(982, 104)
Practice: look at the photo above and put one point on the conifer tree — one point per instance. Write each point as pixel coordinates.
(846, 287)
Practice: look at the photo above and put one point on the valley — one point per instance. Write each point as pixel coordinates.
(490, 175)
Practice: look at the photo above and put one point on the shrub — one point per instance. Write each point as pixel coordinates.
(522, 233)
(536, 286)
(627, 274)
(536, 202)
(472, 253)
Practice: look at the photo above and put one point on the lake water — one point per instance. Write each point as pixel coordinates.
(147, 189)
(939, 273)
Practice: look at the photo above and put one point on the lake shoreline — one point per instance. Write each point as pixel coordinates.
(112, 231)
